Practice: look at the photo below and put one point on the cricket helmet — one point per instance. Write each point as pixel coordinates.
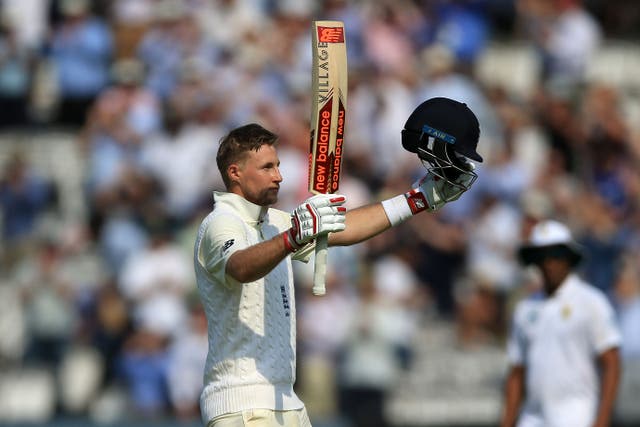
(443, 133)
(550, 239)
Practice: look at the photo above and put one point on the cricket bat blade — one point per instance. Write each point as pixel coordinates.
(328, 112)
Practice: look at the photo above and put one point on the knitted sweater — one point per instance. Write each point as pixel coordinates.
(251, 326)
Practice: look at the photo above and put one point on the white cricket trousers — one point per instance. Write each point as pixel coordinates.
(262, 418)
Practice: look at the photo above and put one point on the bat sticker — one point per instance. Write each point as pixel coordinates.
(330, 34)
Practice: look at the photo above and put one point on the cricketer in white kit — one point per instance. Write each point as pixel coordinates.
(244, 249)
(563, 346)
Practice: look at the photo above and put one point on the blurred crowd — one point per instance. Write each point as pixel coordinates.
(99, 315)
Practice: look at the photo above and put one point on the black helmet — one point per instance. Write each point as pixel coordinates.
(444, 133)
(445, 119)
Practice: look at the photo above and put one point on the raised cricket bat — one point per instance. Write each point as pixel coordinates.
(328, 111)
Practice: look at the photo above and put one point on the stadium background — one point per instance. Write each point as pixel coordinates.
(111, 112)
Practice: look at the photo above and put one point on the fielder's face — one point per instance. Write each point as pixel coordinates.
(554, 271)
(258, 176)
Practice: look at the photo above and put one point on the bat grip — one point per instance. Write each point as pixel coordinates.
(320, 266)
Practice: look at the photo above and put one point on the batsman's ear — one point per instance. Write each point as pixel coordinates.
(233, 172)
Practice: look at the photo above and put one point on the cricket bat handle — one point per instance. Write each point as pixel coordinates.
(320, 266)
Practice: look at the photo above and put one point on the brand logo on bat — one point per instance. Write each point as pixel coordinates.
(336, 157)
(331, 34)
(322, 165)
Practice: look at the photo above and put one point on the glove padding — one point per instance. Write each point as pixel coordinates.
(318, 215)
(432, 192)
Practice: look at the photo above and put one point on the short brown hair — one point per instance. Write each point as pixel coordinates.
(235, 145)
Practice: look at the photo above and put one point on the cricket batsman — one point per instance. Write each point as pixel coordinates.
(244, 249)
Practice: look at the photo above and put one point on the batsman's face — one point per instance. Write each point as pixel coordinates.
(258, 176)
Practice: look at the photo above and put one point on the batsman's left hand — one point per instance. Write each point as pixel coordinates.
(437, 192)
(450, 192)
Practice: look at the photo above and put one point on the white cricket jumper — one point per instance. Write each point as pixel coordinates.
(251, 361)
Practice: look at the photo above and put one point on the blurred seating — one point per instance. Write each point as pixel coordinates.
(28, 395)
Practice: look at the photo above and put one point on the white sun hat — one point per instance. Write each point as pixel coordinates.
(550, 238)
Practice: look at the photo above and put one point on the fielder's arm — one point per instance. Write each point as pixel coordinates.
(513, 396)
(609, 378)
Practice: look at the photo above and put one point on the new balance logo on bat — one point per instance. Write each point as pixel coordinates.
(330, 35)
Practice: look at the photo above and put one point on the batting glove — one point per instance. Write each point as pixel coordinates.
(450, 192)
(318, 215)
(430, 192)
(425, 194)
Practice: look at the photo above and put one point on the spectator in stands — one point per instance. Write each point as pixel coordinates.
(440, 245)
(143, 367)
(320, 347)
(461, 25)
(81, 50)
(156, 281)
(50, 304)
(16, 63)
(490, 265)
(29, 18)
(119, 120)
(441, 74)
(626, 294)
(248, 20)
(401, 297)
(139, 108)
(627, 303)
(603, 237)
(378, 345)
(609, 146)
(173, 37)
(369, 362)
(557, 116)
(393, 99)
(386, 42)
(24, 197)
(566, 36)
(130, 19)
(107, 325)
(117, 123)
(194, 119)
(187, 356)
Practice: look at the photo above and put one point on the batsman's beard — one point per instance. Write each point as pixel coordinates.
(266, 197)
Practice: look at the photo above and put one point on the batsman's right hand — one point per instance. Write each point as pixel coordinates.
(318, 215)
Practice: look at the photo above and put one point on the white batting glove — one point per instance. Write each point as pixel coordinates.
(438, 191)
(425, 194)
(450, 192)
(318, 215)
(429, 193)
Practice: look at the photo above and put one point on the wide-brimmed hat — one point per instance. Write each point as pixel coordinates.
(550, 239)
